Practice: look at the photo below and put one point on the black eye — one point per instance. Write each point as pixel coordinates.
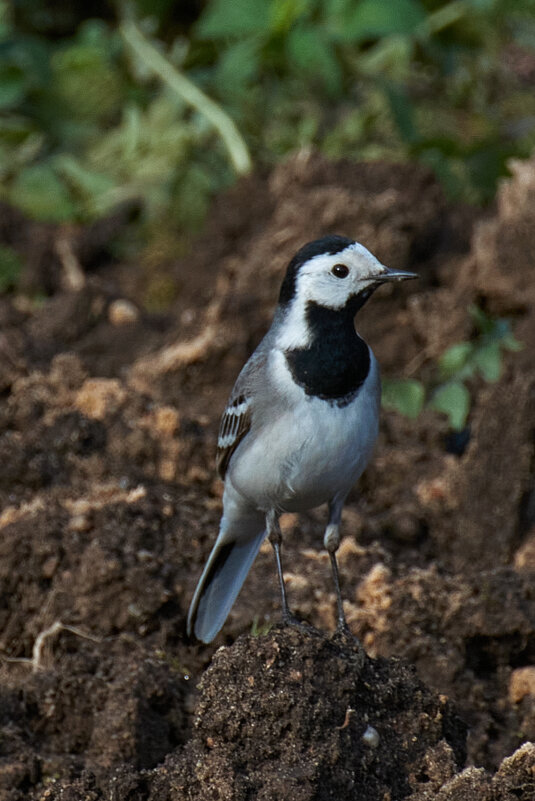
(340, 270)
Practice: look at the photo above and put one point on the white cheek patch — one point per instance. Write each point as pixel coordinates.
(323, 288)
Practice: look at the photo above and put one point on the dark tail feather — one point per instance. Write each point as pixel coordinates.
(219, 585)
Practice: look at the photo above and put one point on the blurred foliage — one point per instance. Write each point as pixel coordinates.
(448, 393)
(89, 118)
(10, 268)
(404, 395)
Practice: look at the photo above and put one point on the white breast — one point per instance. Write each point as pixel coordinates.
(301, 451)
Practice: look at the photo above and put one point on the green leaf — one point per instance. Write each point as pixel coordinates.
(90, 187)
(488, 360)
(390, 56)
(12, 87)
(311, 53)
(85, 83)
(192, 197)
(10, 267)
(510, 342)
(283, 14)
(482, 320)
(39, 192)
(455, 358)
(500, 328)
(238, 67)
(223, 18)
(372, 19)
(405, 396)
(453, 399)
(446, 15)
(402, 112)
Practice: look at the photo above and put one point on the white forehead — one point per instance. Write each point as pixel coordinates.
(360, 261)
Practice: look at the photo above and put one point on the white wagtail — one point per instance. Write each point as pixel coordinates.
(301, 422)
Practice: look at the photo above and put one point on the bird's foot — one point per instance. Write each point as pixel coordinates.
(289, 619)
(344, 633)
(342, 629)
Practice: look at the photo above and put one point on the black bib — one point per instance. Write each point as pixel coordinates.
(337, 362)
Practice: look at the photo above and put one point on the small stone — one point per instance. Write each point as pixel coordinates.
(525, 556)
(98, 397)
(144, 556)
(522, 683)
(371, 737)
(79, 523)
(136, 494)
(166, 420)
(122, 312)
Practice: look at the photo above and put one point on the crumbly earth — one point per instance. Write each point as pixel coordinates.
(109, 506)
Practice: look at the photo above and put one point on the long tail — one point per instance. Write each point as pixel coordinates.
(219, 585)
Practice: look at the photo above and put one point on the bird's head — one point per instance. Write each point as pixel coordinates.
(335, 272)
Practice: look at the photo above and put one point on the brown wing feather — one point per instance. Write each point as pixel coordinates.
(235, 424)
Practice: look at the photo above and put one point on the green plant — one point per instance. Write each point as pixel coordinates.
(107, 111)
(10, 268)
(260, 629)
(403, 79)
(106, 117)
(483, 357)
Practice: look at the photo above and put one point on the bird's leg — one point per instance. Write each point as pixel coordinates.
(331, 541)
(275, 538)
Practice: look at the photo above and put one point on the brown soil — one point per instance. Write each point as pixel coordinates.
(110, 504)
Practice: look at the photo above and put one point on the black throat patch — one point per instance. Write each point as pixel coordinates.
(337, 362)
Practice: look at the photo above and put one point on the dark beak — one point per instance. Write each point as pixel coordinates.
(394, 275)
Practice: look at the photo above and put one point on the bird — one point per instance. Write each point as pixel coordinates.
(300, 425)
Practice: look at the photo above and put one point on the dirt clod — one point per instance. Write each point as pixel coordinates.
(300, 731)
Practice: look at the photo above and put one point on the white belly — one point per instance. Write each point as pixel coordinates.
(310, 450)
